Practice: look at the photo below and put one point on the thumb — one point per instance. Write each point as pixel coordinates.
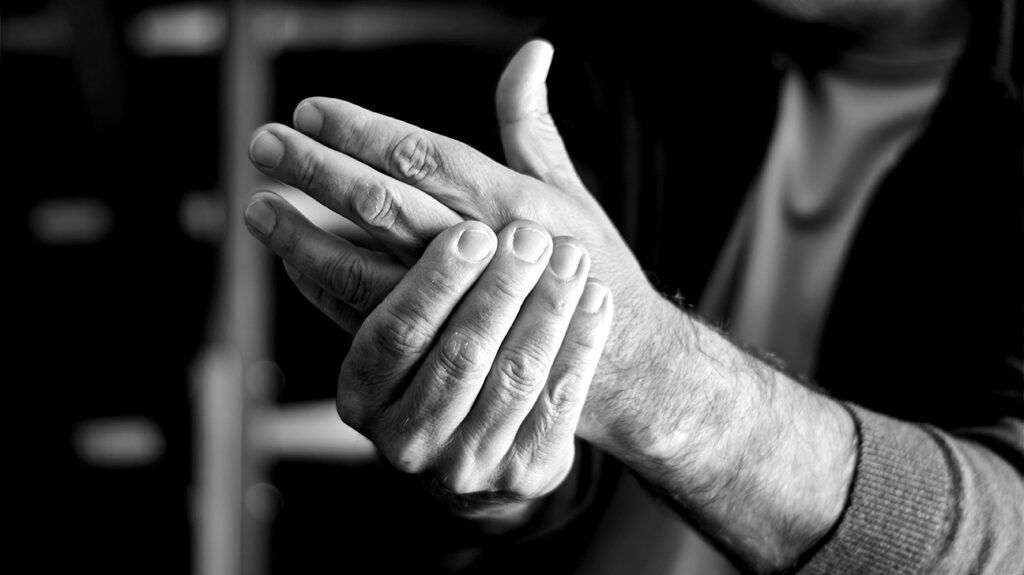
(528, 133)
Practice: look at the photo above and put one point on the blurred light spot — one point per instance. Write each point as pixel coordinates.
(197, 29)
(47, 32)
(71, 221)
(119, 442)
(367, 25)
(264, 502)
(201, 216)
(178, 30)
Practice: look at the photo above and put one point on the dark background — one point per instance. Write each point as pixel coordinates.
(114, 193)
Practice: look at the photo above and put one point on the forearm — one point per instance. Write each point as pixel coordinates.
(757, 461)
(780, 476)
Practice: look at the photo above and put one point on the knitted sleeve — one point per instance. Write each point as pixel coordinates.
(928, 501)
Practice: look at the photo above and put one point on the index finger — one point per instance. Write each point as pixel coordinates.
(463, 178)
(401, 217)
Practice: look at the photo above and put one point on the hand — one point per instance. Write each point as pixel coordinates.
(760, 463)
(475, 368)
(375, 170)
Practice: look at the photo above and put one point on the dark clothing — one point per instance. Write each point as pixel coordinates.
(668, 121)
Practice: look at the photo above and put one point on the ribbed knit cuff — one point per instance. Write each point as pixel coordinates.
(900, 504)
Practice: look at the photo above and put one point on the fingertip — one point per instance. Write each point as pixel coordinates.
(475, 242)
(266, 149)
(541, 41)
(303, 103)
(595, 298)
(273, 200)
(567, 260)
(261, 216)
(530, 244)
(557, 253)
(542, 48)
(524, 74)
(308, 118)
(258, 131)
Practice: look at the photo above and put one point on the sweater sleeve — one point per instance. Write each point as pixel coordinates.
(925, 500)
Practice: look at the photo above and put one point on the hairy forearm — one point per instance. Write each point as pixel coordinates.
(760, 463)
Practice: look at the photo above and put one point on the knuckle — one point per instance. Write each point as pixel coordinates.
(556, 303)
(460, 480)
(561, 398)
(353, 133)
(581, 339)
(556, 473)
(415, 157)
(348, 279)
(376, 204)
(351, 401)
(507, 286)
(563, 394)
(519, 374)
(442, 284)
(460, 356)
(525, 480)
(349, 409)
(533, 486)
(407, 456)
(309, 171)
(534, 473)
(403, 332)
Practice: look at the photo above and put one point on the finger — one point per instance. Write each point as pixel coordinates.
(359, 277)
(446, 386)
(401, 217)
(529, 136)
(336, 310)
(456, 174)
(399, 332)
(521, 367)
(550, 426)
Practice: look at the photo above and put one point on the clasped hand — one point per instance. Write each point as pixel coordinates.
(473, 351)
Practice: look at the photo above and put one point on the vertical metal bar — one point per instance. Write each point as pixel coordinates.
(228, 541)
(217, 544)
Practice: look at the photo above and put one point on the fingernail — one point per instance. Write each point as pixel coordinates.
(308, 119)
(593, 297)
(475, 245)
(261, 216)
(565, 260)
(266, 149)
(529, 244)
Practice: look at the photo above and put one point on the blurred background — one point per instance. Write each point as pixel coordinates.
(172, 393)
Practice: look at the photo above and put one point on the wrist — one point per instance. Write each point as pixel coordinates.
(741, 449)
(642, 360)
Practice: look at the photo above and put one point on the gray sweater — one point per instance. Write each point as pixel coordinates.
(927, 501)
